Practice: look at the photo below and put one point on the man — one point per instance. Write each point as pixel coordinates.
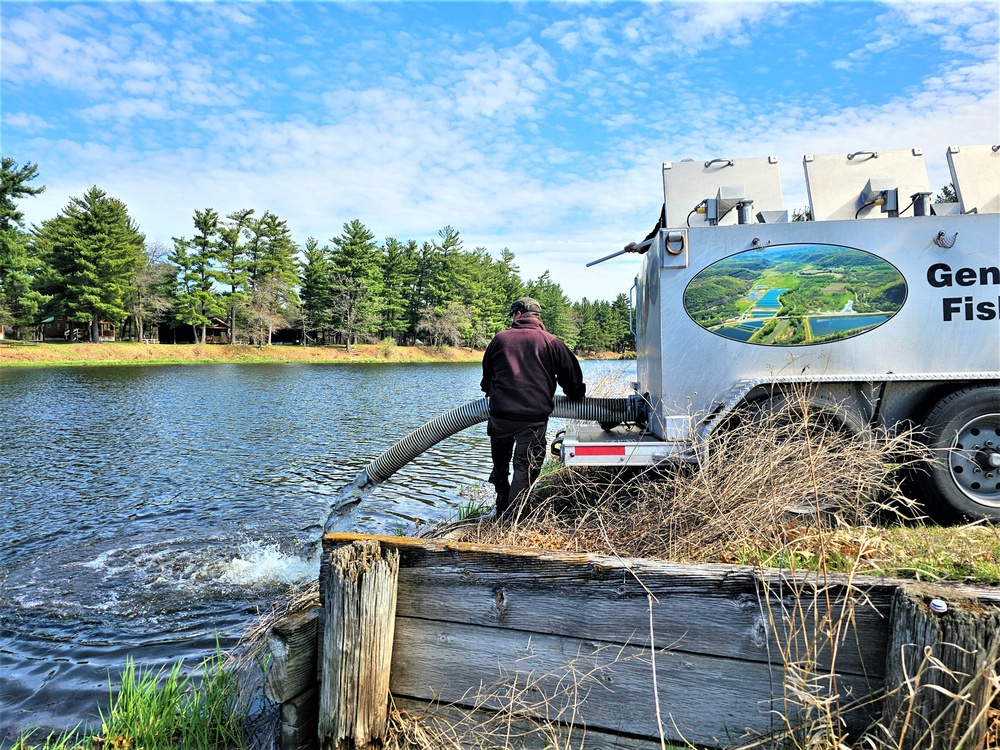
(521, 368)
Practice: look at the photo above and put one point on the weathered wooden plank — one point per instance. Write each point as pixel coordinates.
(478, 728)
(943, 663)
(720, 610)
(703, 699)
(299, 718)
(292, 642)
(360, 606)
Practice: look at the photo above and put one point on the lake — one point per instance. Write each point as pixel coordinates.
(149, 510)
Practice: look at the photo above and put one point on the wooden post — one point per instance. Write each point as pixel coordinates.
(359, 601)
(939, 667)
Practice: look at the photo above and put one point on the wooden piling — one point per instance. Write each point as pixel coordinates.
(943, 663)
(359, 602)
(292, 642)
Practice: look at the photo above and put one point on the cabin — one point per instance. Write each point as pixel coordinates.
(173, 333)
(61, 328)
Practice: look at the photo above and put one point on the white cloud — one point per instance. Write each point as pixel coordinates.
(25, 121)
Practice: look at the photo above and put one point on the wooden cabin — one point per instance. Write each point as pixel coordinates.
(216, 333)
(61, 328)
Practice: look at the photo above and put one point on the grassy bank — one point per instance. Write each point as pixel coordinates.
(121, 353)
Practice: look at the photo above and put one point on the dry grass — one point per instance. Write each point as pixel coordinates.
(789, 490)
(118, 353)
(769, 484)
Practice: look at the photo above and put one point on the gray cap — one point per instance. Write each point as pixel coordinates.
(525, 305)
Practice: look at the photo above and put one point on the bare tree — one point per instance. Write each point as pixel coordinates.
(349, 309)
(150, 300)
(268, 308)
(450, 325)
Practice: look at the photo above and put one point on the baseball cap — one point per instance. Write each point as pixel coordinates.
(525, 305)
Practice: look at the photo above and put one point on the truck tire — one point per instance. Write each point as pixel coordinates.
(962, 479)
(824, 412)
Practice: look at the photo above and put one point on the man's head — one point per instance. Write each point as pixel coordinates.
(526, 306)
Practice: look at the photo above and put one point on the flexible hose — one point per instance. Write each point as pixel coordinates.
(603, 410)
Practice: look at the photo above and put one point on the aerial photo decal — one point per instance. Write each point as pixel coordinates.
(795, 295)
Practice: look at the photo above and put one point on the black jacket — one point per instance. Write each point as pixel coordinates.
(521, 368)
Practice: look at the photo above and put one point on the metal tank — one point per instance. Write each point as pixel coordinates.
(886, 304)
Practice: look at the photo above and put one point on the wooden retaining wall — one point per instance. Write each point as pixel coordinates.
(588, 651)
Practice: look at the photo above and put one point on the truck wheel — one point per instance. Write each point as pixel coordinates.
(963, 479)
(822, 411)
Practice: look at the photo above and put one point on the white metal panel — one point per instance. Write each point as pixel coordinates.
(975, 171)
(686, 183)
(836, 183)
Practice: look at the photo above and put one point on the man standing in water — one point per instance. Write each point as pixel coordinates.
(521, 368)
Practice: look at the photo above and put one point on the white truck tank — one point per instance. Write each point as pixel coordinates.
(884, 303)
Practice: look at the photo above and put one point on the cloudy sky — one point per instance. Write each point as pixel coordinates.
(540, 127)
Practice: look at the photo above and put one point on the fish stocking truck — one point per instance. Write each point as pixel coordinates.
(883, 307)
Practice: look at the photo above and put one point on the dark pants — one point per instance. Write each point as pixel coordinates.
(525, 443)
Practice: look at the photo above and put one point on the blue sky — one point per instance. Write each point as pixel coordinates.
(535, 126)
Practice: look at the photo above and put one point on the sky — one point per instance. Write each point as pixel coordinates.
(538, 127)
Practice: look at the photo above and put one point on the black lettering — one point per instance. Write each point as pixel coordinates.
(986, 311)
(989, 275)
(965, 276)
(939, 275)
(968, 308)
(952, 305)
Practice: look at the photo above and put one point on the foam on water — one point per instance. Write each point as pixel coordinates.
(264, 563)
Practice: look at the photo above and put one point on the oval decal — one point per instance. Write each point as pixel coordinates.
(795, 295)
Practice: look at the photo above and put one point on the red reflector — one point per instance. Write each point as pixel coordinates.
(600, 450)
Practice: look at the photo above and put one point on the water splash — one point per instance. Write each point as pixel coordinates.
(265, 564)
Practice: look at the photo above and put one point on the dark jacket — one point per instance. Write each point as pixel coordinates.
(521, 368)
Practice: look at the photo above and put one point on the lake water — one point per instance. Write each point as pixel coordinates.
(829, 324)
(148, 510)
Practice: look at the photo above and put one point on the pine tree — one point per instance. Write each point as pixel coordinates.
(234, 266)
(316, 290)
(197, 300)
(357, 273)
(20, 301)
(95, 250)
(399, 268)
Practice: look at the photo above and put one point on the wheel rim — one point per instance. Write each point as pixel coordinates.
(974, 459)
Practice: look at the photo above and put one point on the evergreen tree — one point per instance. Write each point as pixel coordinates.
(197, 300)
(556, 308)
(399, 268)
(20, 301)
(234, 266)
(271, 257)
(618, 325)
(95, 250)
(316, 290)
(357, 269)
(947, 194)
(271, 251)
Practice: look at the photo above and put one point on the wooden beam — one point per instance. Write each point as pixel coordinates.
(717, 610)
(359, 602)
(607, 688)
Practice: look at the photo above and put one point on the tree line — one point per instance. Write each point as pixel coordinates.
(243, 272)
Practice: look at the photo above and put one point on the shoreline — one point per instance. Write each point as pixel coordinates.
(17, 354)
